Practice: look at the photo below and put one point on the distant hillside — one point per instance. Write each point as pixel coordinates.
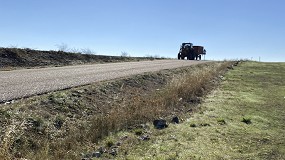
(25, 58)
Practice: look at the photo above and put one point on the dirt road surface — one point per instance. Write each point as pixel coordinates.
(27, 82)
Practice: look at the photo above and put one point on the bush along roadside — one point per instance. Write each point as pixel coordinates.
(73, 121)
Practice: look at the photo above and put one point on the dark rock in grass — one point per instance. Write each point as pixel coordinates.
(96, 154)
(160, 124)
(175, 120)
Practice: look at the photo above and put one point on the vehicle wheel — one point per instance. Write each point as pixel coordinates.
(179, 56)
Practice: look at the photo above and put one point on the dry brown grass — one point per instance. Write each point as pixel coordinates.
(185, 89)
(180, 94)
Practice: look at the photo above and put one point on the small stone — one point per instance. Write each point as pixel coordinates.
(160, 124)
(175, 120)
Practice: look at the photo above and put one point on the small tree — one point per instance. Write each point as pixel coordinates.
(74, 50)
(124, 54)
(87, 51)
(62, 47)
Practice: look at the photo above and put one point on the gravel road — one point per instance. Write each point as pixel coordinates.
(27, 82)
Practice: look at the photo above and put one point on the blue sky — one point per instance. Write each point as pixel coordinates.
(229, 29)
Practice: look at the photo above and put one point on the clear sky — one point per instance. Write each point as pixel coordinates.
(229, 29)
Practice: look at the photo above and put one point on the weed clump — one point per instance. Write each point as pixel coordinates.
(246, 120)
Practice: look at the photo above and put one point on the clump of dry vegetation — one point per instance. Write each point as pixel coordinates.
(63, 124)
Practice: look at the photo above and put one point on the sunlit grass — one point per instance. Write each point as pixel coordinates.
(251, 103)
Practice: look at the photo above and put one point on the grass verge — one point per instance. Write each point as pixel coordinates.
(243, 119)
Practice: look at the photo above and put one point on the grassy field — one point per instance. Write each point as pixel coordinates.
(243, 119)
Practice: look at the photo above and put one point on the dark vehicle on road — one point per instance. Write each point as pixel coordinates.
(191, 52)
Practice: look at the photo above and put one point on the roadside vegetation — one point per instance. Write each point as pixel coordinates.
(242, 119)
(71, 123)
(15, 58)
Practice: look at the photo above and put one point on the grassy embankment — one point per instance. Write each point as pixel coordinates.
(63, 124)
(15, 58)
(243, 119)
